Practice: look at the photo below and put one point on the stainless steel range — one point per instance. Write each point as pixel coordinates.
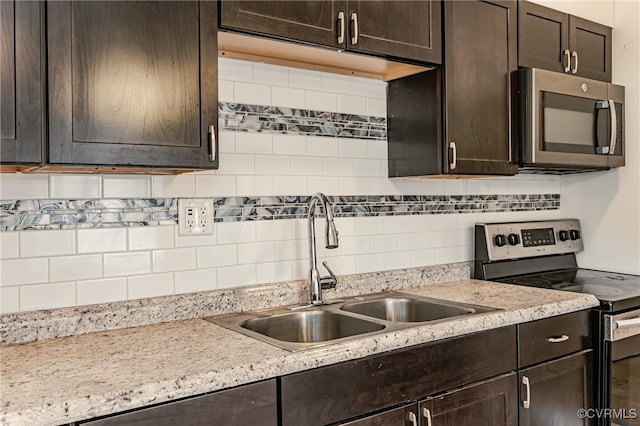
(542, 254)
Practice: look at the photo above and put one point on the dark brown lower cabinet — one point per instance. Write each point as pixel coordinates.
(552, 393)
(491, 402)
(254, 405)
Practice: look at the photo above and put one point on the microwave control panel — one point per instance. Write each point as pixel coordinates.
(513, 240)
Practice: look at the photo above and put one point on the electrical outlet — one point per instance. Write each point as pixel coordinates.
(195, 216)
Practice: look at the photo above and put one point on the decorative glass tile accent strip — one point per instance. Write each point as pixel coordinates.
(270, 119)
(19, 215)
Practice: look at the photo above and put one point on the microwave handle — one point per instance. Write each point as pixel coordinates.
(606, 141)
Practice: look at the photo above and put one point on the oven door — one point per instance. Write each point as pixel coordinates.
(572, 122)
(623, 378)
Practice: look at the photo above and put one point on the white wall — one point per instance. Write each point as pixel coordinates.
(608, 203)
(49, 269)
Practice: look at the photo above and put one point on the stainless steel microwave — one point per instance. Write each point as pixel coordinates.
(568, 123)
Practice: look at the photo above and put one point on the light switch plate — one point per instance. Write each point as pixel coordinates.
(195, 216)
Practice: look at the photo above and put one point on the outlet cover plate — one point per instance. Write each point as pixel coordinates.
(195, 216)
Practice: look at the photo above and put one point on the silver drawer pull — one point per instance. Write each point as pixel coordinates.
(413, 419)
(426, 413)
(558, 339)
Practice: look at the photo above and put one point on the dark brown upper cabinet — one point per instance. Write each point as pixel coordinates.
(133, 84)
(404, 30)
(457, 121)
(21, 84)
(556, 41)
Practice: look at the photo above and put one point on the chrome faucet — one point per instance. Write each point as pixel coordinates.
(316, 282)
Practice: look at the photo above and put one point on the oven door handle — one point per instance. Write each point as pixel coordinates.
(629, 323)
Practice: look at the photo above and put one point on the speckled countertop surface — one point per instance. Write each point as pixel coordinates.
(78, 377)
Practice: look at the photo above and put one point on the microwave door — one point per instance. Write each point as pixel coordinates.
(615, 156)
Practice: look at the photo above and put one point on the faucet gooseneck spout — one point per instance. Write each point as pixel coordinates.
(316, 282)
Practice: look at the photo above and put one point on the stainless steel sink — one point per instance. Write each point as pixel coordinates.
(345, 320)
(310, 326)
(408, 309)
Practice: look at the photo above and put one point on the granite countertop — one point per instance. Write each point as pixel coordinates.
(78, 377)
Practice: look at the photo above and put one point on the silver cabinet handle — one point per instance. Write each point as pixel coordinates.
(454, 155)
(413, 419)
(354, 36)
(212, 144)
(574, 55)
(426, 413)
(567, 55)
(558, 339)
(527, 400)
(341, 24)
(614, 127)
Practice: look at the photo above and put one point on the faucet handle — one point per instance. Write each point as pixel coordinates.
(328, 282)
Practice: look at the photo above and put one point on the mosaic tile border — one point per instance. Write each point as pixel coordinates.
(271, 119)
(20, 215)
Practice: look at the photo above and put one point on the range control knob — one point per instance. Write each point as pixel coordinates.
(499, 240)
(574, 234)
(514, 239)
(563, 235)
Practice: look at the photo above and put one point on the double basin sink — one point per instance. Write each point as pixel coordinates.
(310, 327)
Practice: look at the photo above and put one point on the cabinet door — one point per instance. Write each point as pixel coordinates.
(556, 390)
(402, 29)
(480, 55)
(592, 42)
(397, 417)
(543, 37)
(254, 405)
(132, 83)
(20, 82)
(310, 21)
(494, 402)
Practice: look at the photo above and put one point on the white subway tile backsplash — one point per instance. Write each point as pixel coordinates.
(498, 186)
(369, 88)
(214, 256)
(253, 143)
(9, 300)
(518, 186)
(446, 222)
(216, 186)
(79, 267)
(288, 97)
(455, 186)
(235, 70)
(24, 271)
(353, 185)
(346, 226)
(256, 252)
(321, 101)
(255, 185)
(338, 167)
(421, 223)
(340, 265)
(372, 225)
(47, 243)
(348, 104)
(9, 245)
(101, 291)
(225, 91)
(235, 276)
(377, 149)
(194, 240)
(198, 280)
(121, 264)
(126, 186)
(305, 79)
(354, 244)
(383, 243)
(174, 186)
(382, 185)
(319, 146)
(19, 186)
(75, 186)
(155, 285)
(326, 185)
(273, 165)
(369, 263)
(291, 249)
(290, 144)
(479, 187)
(47, 296)
(179, 259)
(236, 232)
(274, 272)
(226, 141)
(151, 237)
(236, 164)
(434, 239)
(272, 75)
(337, 83)
(410, 241)
(446, 255)
(290, 185)
(376, 107)
(274, 230)
(249, 93)
(397, 224)
(397, 260)
(352, 148)
(424, 257)
(306, 166)
(432, 187)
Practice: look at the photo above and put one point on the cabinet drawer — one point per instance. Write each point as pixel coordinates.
(254, 404)
(333, 393)
(553, 337)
